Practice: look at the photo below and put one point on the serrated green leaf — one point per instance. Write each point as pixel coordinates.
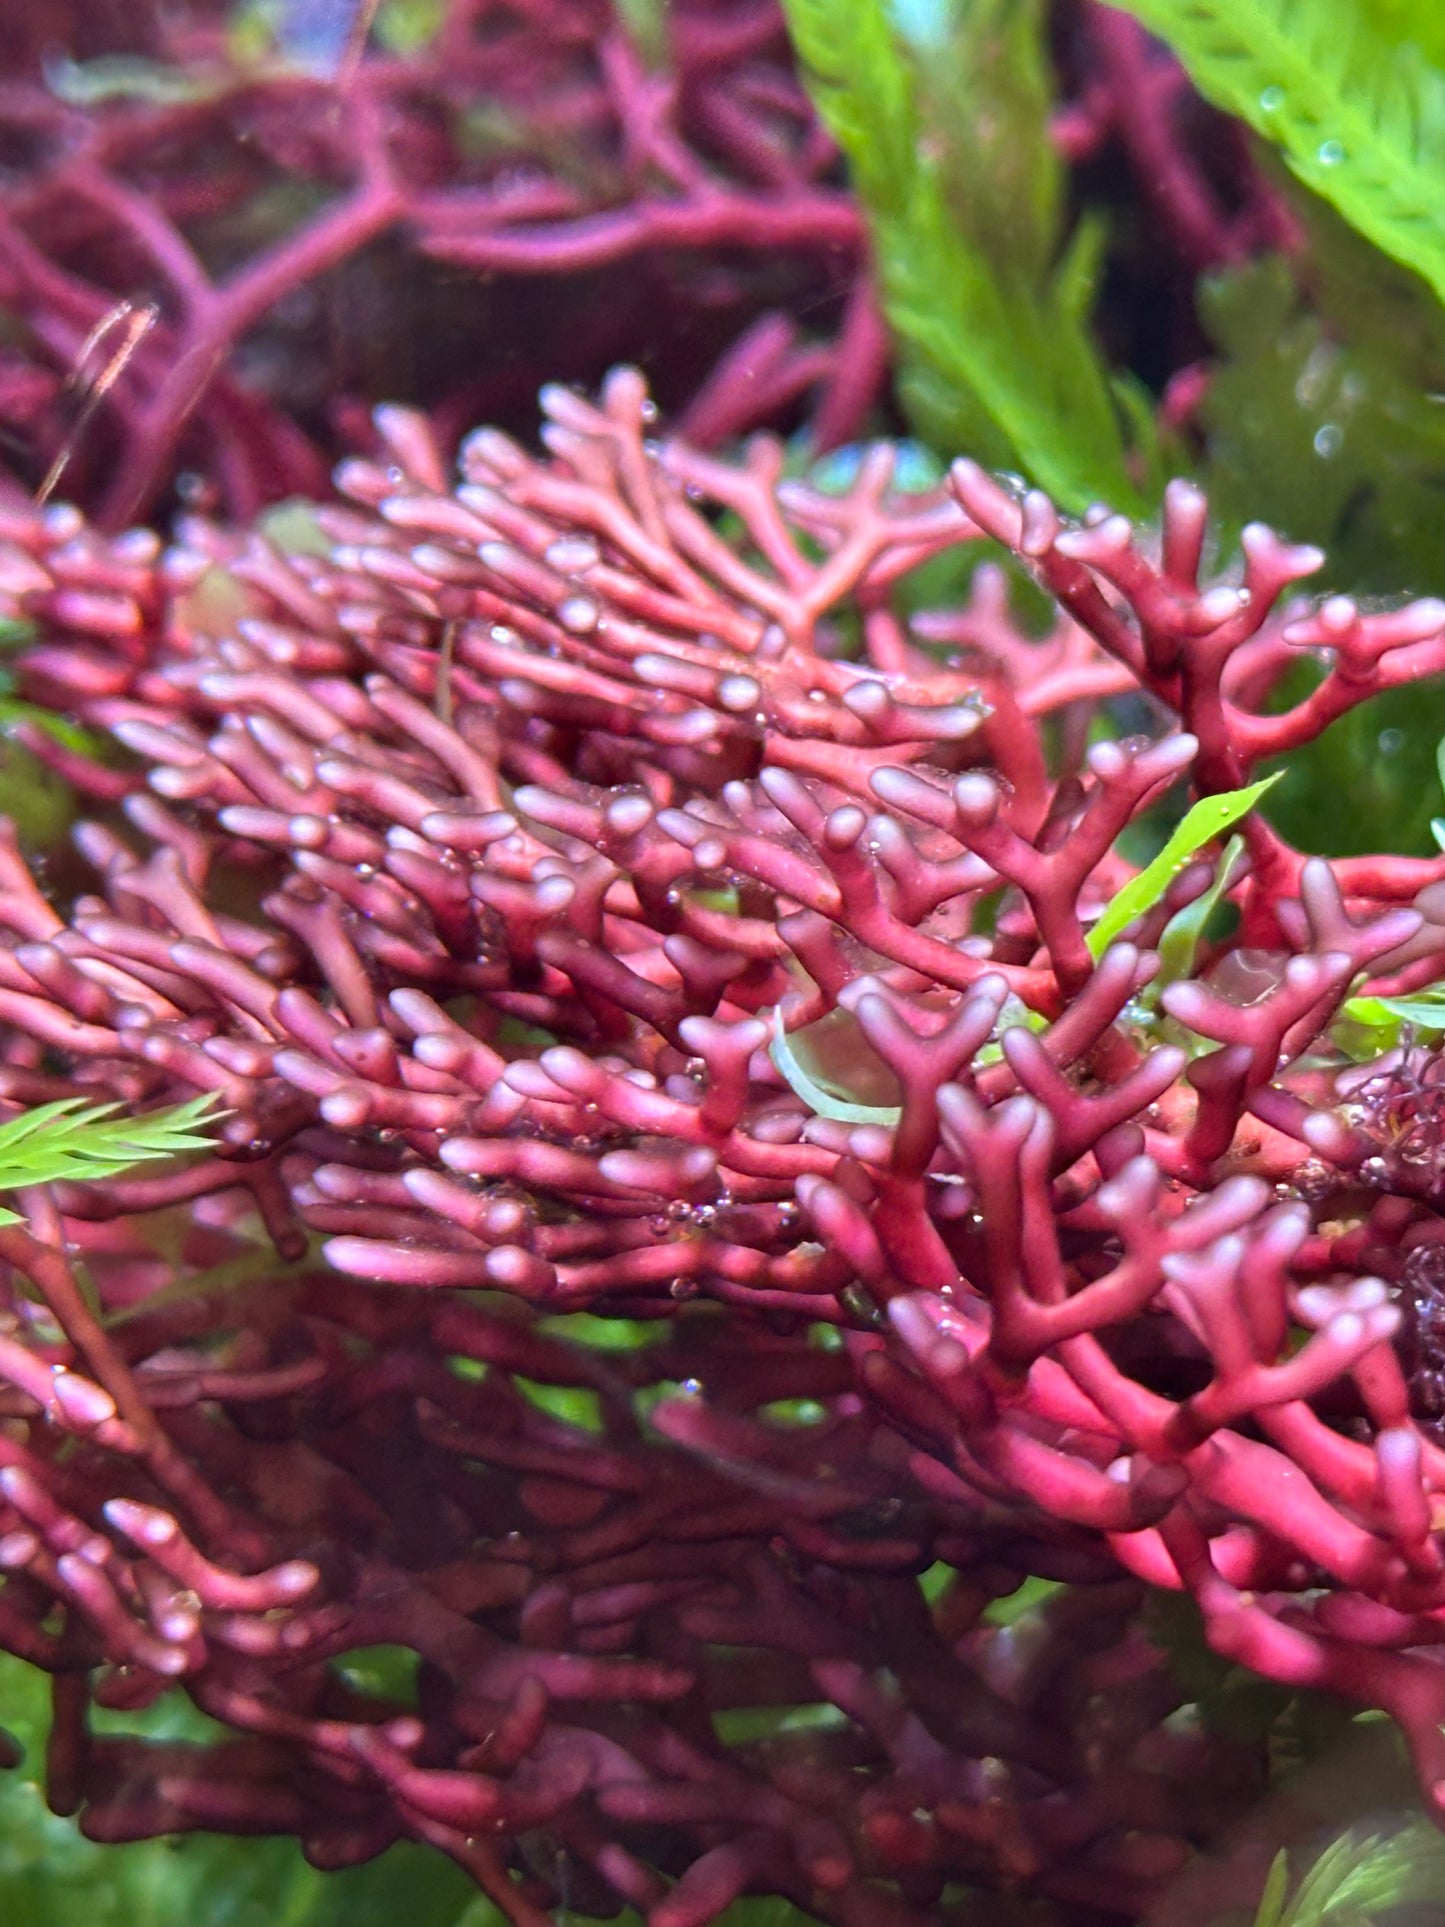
(1358, 114)
(1210, 817)
(948, 149)
(1359, 1876)
(75, 1140)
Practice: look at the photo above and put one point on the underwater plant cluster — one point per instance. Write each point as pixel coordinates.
(598, 886)
(727, 1147)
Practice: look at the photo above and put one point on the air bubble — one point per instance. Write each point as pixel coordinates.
(1330, 154)
(1328, 440)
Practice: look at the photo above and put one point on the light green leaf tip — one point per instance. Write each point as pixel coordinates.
(1179, 943)
(1359, 115)
(1210, 817)
(1276, 1887)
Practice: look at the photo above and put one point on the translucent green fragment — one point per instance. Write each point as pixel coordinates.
(1209, 818)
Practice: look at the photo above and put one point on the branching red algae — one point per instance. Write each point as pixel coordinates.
(1112, 1289)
